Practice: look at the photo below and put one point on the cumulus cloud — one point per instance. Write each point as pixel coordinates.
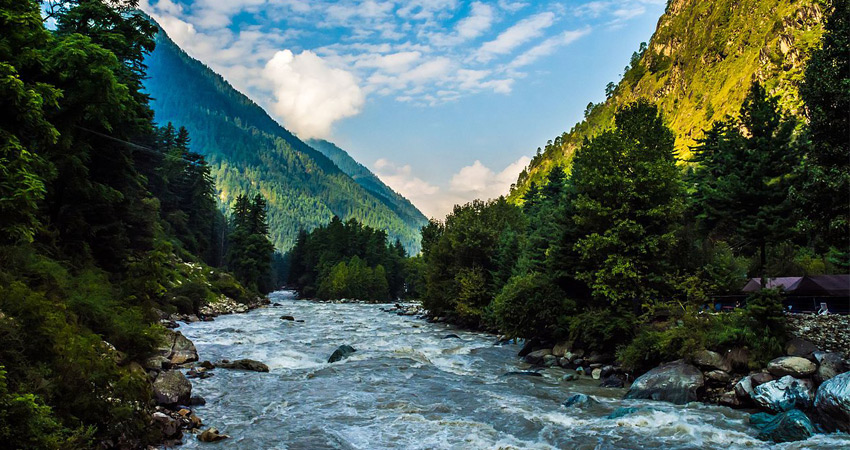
(310, 95)
(475, 181)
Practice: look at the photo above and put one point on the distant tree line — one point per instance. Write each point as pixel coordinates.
(347, 260)
(620, 253)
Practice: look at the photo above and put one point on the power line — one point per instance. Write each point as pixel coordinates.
(137, 146)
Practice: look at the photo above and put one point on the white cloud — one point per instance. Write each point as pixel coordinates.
(547, 47)
(309, 94)
(475, 181)
(524, 31)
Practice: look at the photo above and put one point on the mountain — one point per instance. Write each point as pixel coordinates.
(369, 181)
(698, 66)
(249, 151)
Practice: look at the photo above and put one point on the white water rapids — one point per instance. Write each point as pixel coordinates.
(408, 388)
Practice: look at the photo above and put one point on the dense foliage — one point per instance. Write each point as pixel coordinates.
(104, 219)
(627, 251)
(248, 151)
(249, 252)
(347, 260)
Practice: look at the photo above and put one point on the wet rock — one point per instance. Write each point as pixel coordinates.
(172, 388)
(788, 426)
(730, 399)
(612, 381)
(212, 435)
(243, 364)
(451, 336)
(580, 371)
(341, 352)
(795, 366)
(833, 403)
(197, 400)
(622, 412)
(718, 376)
(761, 378)
(203, 375)
(607, 371)
(580, 401)
(676, 382)
(168, 426)
(183, 350)
(561, 349)
(207, 365)
(550, 360)
(536, 357)
(744, 387)
(830, 365)
(578, 362)
(522, 373)
(596, 373)
(710, 360)
(800, 347)
(784, 394)
(289, 318)
(564, 362)
(569, 377)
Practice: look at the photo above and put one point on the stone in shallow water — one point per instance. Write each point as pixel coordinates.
(212, 435)
(788, 426)
(579, 401)
(833, 403)
(622, 412)
(784, 394)
(342, 352)
(244, 364)
(537, 356)
(676, 382)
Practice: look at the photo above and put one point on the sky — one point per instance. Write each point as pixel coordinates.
(445, 100)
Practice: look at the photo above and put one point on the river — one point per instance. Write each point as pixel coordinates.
(408, 388)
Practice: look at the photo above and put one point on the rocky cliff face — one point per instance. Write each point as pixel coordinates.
(698, 67)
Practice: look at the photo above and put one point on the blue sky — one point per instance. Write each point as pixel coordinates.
(445, 100)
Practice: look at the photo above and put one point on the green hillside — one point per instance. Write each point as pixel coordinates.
(365, 178)
(698, 67)
(248, 151)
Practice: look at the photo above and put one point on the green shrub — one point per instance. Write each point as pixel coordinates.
(532, 306)
(226, 285)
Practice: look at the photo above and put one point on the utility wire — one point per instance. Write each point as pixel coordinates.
(137, 146)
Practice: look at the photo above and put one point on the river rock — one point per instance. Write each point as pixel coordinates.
(523, 373)
(197, 400)
(172, 388)
(529, 346)
(288, 318)
(169, 426)
(784, 394)
(761, 378)
(580, 401)
(795, 366)
(183, 350)
(596, 373)
(675, 382)
(744, 387)
(536, 357)
(341, 352)
(800, 347)
(612, 381)
(788, 426)
(156, 363)
(833, 403)
(580, 371)
(708, 359)
(718, 376)
(243, 364)
(451, 336)
(550, 360)
(830, 365)
(569, 377)
(564, 362)
(622, 412)
(212, 435)
(561, 349)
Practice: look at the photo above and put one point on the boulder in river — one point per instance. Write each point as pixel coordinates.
(451, 336)
(212, 435)
(830, 365)
(341, 352)
(788, 426)
(183, 350)
(289, 318)
(795, 366)
(172, 388)
(596, 373)
(784, 394)
(537, 356)
(800, 347)
(569, 377)
(833, 403)
(675, 382)
(168, 426)
(580, 401)
(550, 360)
(612, 381)
(710, 360)
(622, 412)
(243, 364)
(523, 373)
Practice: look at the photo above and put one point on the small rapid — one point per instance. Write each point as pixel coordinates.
(408, 387)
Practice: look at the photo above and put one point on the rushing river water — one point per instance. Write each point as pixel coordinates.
(408, 388)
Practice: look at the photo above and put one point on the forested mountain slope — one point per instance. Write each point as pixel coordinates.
(365, 178)
(698, 67)
(249, 151)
